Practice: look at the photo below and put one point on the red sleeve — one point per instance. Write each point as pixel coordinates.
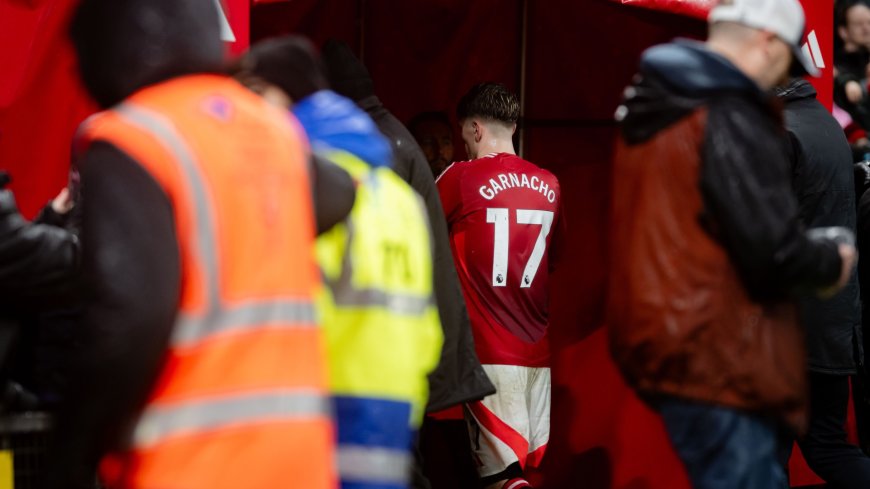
(449, 191)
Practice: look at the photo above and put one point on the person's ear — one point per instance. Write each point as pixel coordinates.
(478, 131)
(513, 129)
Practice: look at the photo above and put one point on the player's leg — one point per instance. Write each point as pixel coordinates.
(499, 427)
(539, 415)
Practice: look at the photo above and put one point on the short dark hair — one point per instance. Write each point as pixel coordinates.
(291, 63)
(491, 101)
(424, 117)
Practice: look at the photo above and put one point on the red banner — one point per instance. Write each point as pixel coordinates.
(235, 19)
(819, 45)
(694, 8)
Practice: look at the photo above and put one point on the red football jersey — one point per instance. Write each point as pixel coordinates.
(502, 212)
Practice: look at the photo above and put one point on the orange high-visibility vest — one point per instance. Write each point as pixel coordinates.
(241, 399)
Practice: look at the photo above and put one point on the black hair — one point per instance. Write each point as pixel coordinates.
(290, 63)
(492, 101)
(123, 46)
(423, 117)
(842, 10)
(347, 74)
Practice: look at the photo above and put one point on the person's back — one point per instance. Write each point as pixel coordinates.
(459, 376)
(382, 329)
(670, 271)
(202, 360)
(236, 317)
(502, 211)
(707, 250)
(823, 181)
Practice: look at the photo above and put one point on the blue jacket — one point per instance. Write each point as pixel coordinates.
(335, 122)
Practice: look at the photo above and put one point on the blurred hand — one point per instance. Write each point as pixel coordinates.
(849, 257)
(854, 92)
(63, 203)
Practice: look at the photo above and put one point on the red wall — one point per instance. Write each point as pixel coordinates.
(41, 102)
(424, 56)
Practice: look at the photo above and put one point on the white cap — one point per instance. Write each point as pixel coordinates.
(785, 18)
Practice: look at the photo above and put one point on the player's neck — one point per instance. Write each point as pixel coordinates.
(495, 146)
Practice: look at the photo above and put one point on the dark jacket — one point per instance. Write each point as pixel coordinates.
(823, 181)
(706, 240)
(459, 376)
(39, 263)
(35, 259)
(862, 185)
(852, 66)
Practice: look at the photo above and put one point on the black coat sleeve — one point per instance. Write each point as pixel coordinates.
(35, 259)
(459, 376)
(864, 223)
(333, 191)
(746, 185)
(132, 270)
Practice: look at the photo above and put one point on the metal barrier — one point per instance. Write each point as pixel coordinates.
(23, 447)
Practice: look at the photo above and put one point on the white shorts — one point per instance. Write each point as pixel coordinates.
(512, 425)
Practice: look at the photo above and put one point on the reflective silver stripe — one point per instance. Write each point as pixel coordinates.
(191, 329)
(345, 294)
(204, 221)
(398, 303)
(367, 464)
(216, 319)
(159, 423)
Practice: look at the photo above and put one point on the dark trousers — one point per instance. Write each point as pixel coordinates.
(837, 462)
(447, 459)
(723, 448)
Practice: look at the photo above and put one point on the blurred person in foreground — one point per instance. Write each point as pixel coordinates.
(434, 134)
(708, 252)
(378, 311)
(459, 377)
(202, 363)
(823, 181)
(504, 217)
